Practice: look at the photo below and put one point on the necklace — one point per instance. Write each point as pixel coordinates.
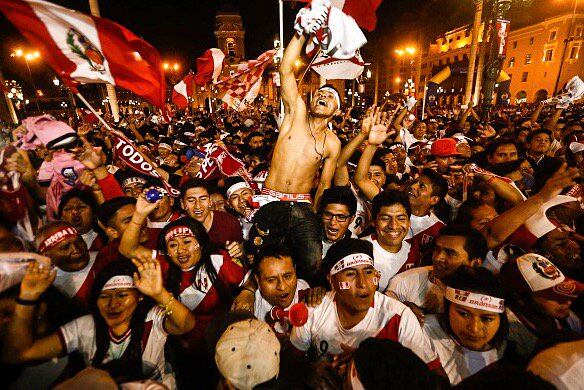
(314, 138)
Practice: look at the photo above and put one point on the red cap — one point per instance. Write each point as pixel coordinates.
(444, 147)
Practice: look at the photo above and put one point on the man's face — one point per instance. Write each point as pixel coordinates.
(355, 287)
(420, 193)
(540, 143)
(323, 105)
(217, 202)
(69, 255)
(171, 160)
(390, 161)
(481, 216)
(503, 153)
(277, 280)
(444, 163)
(133, 190)
(78, 214)
(238, 200)
(555, 309)
(563, 249)
(334, 229)
(163, 210)
(163, 152)
(377, 175)
(473, 328)
(392, 224)
(120, 222)
(256, 142)
(400, 156)
(197, 203)
(449, 254)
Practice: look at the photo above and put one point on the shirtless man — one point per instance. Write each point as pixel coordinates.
(304, 145)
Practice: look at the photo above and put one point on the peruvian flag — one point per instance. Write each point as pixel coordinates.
(182, 91)
(209, 66)
(363, 11)
(87, 49)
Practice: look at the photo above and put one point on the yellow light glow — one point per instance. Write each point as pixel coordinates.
(411, 50)
(165, 65)
(39, 92)
(29, 57)
(36, 54)
(399, 52)
(298, 63)
(18, 52)
(175, 66)
(398, 80)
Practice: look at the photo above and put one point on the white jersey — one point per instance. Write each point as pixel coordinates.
(245, 226)
(79, 335)
(263, 307)
(386, 262)
(77, 285)
(386, 319)
(362, 219)
(414, 286)
(458, 361)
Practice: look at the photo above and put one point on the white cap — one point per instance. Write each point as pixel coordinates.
(248, 353)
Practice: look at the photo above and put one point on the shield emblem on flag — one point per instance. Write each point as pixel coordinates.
(80, 45)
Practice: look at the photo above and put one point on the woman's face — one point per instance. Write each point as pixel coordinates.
(473, 328)
(78, 214)
(185, 252)
(117, 305)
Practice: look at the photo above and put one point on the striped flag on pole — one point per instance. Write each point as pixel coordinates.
(182, 91)
(241, 89)
(363, 11)
(88, 49)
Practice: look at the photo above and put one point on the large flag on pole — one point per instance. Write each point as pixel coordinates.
(238, 90)
(363, 11)
(209, 66)
(88, 49)
(182, 91)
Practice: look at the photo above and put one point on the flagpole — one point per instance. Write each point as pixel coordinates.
(424, 101)
(90, 107)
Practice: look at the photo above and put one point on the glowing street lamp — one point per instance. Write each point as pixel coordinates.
(28, 57)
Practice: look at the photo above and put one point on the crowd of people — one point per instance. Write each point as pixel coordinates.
(354, 248)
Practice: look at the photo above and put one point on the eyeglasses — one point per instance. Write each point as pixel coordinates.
(340, 217)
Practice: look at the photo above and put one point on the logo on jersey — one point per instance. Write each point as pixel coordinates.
(69, 175)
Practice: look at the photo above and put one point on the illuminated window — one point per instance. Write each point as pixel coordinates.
(575, 51)
(515, 45)
(527, 59)
(578, 31)
(531, 40)
(511, 62)
(553, 35)
(548, 55)
(524, 77)
(230, 47)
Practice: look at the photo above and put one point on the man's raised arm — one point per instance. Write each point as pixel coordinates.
(289, 89)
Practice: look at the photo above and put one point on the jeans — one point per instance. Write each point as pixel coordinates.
(304, 238)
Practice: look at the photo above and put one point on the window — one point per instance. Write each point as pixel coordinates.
(548, 55)
(230, 47)
(524, 77)
(553, 35)
(527, 59)
(575, 51)
(578, 31)
(511, 62)
(515, 45)
(531, 40)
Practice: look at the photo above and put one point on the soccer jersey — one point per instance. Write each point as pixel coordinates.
(263, 307)
(389, 264)
(60, 175)
(154, 228)
(79, 335)
(362, 214)
(386, 319)
(414, 286)
(225, 227)
(458, 361)
(424, 231)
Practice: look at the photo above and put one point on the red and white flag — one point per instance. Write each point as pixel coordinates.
(88, 49)
(241, 89)
(209, 66)
(182, 91)
(363, 11)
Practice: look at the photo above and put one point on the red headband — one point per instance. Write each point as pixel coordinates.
(57, 237)
(178, 231)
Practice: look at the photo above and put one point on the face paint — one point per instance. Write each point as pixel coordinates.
(375, 280)
(344, 285)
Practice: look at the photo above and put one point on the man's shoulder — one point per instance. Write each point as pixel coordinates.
(224, 217)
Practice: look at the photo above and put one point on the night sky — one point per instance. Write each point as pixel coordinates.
(182, 30)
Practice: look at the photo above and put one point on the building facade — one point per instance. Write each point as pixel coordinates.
(540, 59)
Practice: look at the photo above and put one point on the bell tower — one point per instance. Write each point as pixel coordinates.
(230, 33)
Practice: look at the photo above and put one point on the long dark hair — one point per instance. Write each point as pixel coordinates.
(482, 281)
(129, 366)
(205, 264)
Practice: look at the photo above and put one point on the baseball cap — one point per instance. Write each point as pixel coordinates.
(534, 274)
(444, 147)
(248, 354)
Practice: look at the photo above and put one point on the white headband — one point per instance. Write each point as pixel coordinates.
(235, 187)
(119, 281)
(133, 180)
(179, 231)
(164, 145)
(576, 147)
(475, 300)
(352, 260)
(335, 94)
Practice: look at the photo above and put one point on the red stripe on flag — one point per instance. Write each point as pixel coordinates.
(133, 62)
(23, 17)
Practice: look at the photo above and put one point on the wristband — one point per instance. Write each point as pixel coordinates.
(27, 302)
(250, 290)
(167, 311)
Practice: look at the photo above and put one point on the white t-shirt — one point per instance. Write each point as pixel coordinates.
(263, 307)
(386, 319)
(458, 361)
(79, 335)
(414, 286)
(362, 217)
(386, 262)
(562, 365)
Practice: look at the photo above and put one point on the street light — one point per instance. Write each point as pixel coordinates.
(56, 81)
(28, 57)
